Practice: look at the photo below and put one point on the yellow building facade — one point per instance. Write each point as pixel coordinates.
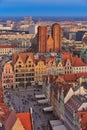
(40, 71)
(24, 69)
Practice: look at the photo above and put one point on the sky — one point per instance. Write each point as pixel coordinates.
(43, 8)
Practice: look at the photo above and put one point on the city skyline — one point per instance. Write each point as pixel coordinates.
(43, 8)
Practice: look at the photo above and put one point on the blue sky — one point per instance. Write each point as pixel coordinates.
(43, 7)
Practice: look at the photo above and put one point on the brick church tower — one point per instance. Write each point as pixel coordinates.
(53, 43)
(42, 38)
(56, 34)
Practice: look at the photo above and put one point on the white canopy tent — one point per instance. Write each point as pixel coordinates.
(60, 127)
(40, 96)
(55, 123)
(42, 101)
(48, 109)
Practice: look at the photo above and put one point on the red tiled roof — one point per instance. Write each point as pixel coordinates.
(66, 56)
(25, 119)
(9, 46)
(51, 59)
(75, 61)
(73, 77)
(23, 56)
(4, 109)
(83, 116)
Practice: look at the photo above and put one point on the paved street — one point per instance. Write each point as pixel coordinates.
(22, 99)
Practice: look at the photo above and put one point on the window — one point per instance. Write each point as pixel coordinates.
(29, 61)
(19, 66)
(29, 65)
(19, 62)
(16, 70)
(32, 79)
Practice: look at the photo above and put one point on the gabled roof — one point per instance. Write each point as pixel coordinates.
(77, 62)
(25, 119)
(69, 77)
(73, 77)
(23, 56)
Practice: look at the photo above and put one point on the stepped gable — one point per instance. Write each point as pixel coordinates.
(23, 56)
(25, 119)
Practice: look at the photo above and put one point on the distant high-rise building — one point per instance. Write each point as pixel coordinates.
(56, 34)
(28, 20)
(42, 38)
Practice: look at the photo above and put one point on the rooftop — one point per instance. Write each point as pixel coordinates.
(25, 119)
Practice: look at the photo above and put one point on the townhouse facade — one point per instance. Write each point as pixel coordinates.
(6, 49)
(24, 69)
(40, 71)
(8, 76)
(29, 70)
(15, 36)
